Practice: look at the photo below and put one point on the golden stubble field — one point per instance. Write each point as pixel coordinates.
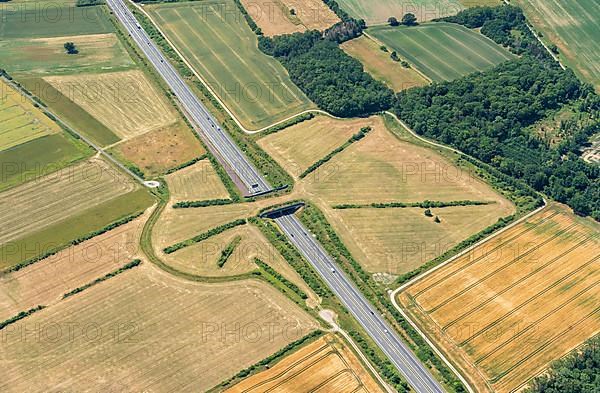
(44, 282)
(196, 183)
(506, 309)
(47, 200)
(126, 102)
(326, 365)
(144, 330)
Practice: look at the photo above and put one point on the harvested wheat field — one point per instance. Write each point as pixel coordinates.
(506, 309)
(196, 183)
(398, 240)
(325, 365)
(299, 146)
(47, 280)
(381, 168)
(157, 151)
(144, 330)
(276, 17)
(43, 202)
(126, 102)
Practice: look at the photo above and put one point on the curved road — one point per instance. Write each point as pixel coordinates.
(220, 143)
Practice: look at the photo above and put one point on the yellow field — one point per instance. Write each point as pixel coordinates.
(326, 365)
(506, 309)
(398, 240)
(196, 183)
(301, 145)
(157, 151)
(379, 64)
(144, 330)
(45, 201)
(126, 102)
(46, 281)
(275, 18)
(21, 121)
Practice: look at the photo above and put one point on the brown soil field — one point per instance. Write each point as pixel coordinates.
(44, 282)
(379, 64)
(274, 16)
(157, 151)
(301, 145)
(398, 240)
(506, 309)
(144, 330)
(325, 365)
(49, 199)
(382, 168)
(126, 102)
(196, 183)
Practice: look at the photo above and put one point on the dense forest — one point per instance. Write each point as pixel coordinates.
(332, 79)
(579, 372)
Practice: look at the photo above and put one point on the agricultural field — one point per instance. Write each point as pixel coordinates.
(379, 64)
(151, 331)
(442, 51)
(276, 18)
(301, 145)
(157, 151)
(506, 309)
(54, 209)
(378, 12)
(223, 50)
(326, 364)
(69, 269)
(125, 102)
(197, 182)
(573, 27)
(47, 56)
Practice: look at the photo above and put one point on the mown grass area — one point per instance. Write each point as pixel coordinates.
(73, 227)
(377, 12)
(573, 27)
(442, 51)
(52, 19)
(223, 50)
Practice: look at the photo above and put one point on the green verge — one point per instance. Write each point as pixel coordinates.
(269, 168)
(203, 236)
(67, 231)
(128, 266)
(269, 270)
(228, 250)
(19, 316)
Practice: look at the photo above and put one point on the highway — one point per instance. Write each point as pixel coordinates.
(374, 324)
(218, 141)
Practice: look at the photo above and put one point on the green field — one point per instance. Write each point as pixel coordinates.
(442, 51)
(223, 50)
(574, 28)
(52, 19)
(377, 12)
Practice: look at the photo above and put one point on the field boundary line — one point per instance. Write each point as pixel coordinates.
(395, 292)
(214, 94)
(61, 122)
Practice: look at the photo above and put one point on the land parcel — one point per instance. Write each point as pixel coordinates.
(507, 308)
(214, 37)
(442, 51)
(378, 12)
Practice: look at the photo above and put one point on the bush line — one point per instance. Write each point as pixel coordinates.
(227, 251)
(20, 316)
(283, 280)
(186, 164)
(425, 204)
(75, 242)
(291, 122)
(355, 138)
(205, 203)
(203, 236)
(130, 265)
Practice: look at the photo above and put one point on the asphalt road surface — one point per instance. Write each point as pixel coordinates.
(384, 336)
(208, 128)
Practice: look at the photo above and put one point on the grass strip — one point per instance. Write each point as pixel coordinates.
(205, 203)
(19, 316)
(355, 138)
(203, 236)
(227, 251)
(283, 280)
(130, 265)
